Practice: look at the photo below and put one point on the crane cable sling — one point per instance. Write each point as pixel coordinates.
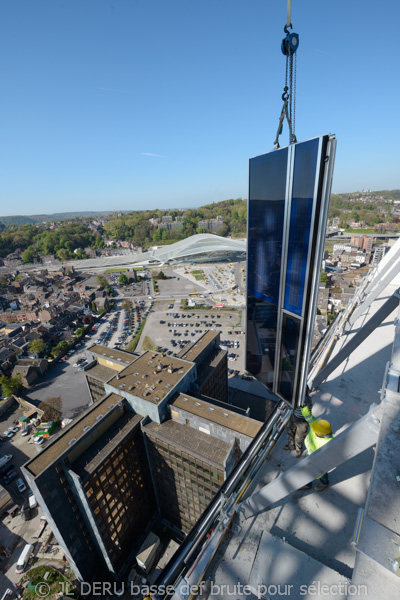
(289, 46)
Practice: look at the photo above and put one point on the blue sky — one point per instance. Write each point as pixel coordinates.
(133, 104)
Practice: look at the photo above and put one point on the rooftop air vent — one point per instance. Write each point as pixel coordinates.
(185, 399)
(71, 441)
(168, 386)
(111, 356)
(224, 414)
(111, 407)
(156, 399)
(122, 386)
(210, 408)
(137, 382)
(86, 428)
(118, 359)
(153, 387)
(99, 417)
(144, 376)
(197, 404)
(135, 374)
(181, 372)
(131, 387)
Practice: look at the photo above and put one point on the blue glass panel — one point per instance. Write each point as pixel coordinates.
(305, 164)
(262, 320)
(266, 214)
(289, 356)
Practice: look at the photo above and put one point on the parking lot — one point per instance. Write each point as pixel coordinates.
(171, 329)
(66, 381)
(19, 448)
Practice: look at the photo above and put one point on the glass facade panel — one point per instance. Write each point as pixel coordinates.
(261, 339)
(289, 355)
(266, 216)
(281, 298)
(305, 164)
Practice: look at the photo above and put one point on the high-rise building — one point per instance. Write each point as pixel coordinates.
(151, 448)
(94, 487)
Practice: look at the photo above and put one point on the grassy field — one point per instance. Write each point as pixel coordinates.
(198, 275)
(148, 344)
(360, 231)
(123, 270)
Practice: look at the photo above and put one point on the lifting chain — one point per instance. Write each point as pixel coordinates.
(289, 46)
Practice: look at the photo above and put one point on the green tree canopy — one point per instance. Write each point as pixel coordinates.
(11, 385)
(37, 346)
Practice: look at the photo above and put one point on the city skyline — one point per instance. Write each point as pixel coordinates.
(125, 106)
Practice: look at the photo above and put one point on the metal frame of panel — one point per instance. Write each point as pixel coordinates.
(311, 180)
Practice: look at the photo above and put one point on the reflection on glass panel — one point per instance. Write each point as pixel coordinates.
(266, 214)
(261, 339)
(289, 355)
(305, 164)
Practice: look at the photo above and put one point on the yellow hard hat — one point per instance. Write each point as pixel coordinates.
(321, 427)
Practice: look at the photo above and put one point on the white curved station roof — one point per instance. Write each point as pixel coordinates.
(203, 247)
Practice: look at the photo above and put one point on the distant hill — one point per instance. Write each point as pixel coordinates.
(32, 219)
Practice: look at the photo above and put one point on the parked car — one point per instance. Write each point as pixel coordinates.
(21, 487)
(8, 434)
(13, 429)
(39, 440)
(10, 477)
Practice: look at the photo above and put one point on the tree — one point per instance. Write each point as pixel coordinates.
(29, 255)
(52, 409)
(63, 254)
(324, 277)
(88, 319)
(11, 385)
(123, 279)
(80, 331)
(37, 346)
(126, 305)
(102, 281)
(60, 348)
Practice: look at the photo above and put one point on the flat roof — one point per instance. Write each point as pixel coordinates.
(192, 351)
(194, 442)
(143, 379)
(100, 372)
(90, 460)
(216, 414)
(112, 354)
(74, 431)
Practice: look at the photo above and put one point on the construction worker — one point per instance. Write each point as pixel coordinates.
(298, 428)
(320, 433)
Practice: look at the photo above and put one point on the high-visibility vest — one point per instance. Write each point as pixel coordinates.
(313, 442)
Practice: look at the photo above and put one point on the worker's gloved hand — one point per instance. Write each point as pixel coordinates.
(305, 411)
(308, 402)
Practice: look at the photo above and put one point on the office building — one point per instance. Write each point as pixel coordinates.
(150, 449)
(94, 487)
